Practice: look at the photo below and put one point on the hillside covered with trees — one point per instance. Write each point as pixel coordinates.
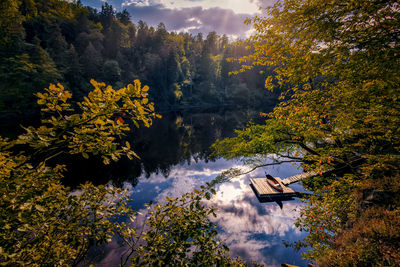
(339, 115)
(50, 54)
(43, 42)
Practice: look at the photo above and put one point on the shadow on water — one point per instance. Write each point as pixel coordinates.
(279, 200)
(179, 137)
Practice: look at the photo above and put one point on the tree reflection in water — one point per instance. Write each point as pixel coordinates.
(175, 159)
(176, 138)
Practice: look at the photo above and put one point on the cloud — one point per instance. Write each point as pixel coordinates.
(191, 16)
(193, 19)
(263, 3)
(136, 3)
(93, 3)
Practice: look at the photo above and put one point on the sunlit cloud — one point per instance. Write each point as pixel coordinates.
(224, 16)
(194, 19)
(237, 6)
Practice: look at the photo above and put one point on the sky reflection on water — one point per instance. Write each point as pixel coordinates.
(174, 153)
(251, 229)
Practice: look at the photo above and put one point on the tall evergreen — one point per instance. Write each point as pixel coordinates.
(45, 42)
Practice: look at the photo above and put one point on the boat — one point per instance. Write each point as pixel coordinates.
(274, 183)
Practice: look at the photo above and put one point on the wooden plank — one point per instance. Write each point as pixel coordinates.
(263, 189)
(298, 177)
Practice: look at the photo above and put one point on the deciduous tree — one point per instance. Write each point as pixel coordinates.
(44, 223)
(340, 64)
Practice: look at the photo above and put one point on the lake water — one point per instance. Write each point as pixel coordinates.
(175, 160)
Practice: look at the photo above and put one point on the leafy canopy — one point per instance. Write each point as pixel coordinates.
(179, 233)
(340, 64)
(44, 223)
(96, 129)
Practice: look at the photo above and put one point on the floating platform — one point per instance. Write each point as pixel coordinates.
(264, 190)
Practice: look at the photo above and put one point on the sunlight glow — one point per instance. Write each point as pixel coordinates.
(238, 6)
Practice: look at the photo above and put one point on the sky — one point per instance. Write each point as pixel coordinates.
(193, 16)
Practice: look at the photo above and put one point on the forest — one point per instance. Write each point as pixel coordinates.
(45, 42)
(327, 73)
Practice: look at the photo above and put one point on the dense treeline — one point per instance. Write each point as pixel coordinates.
(44, 42)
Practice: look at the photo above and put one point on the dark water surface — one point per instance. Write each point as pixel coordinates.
(175, 160)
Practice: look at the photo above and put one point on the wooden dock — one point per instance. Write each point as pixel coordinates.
(296, 178)
(263, 189)
(266, 193)
(353, 160)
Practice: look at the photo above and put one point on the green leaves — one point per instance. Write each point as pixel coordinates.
(97, 128)
(339, 63)
(181, 234)
(43, 223)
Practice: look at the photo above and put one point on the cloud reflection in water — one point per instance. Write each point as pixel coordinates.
(251, 229)
(255, 230)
